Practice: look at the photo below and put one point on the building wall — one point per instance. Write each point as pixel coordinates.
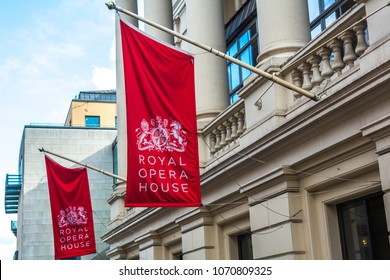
(276, 164)
(105, 110)
(90, 146)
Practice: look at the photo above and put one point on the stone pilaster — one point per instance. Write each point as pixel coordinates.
(379, 132)
(276, 217)
(197, 235)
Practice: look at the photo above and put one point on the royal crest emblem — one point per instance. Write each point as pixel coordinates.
(72, 216)
(159, 135)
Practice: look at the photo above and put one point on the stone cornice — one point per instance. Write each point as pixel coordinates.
(377, 129)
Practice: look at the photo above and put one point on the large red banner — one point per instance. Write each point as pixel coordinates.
(163, 160)
(71, 210)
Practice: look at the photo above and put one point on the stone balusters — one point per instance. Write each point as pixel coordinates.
(316, 78)
(338, 64)
(297, 80)
(361, 44)
(227, 130)
(326, 69)
(330, 60)
(349, 52)
(305, 69)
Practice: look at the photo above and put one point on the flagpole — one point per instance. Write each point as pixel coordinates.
(272, 77)
(84, 165)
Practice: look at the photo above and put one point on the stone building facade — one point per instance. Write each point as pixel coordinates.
(282, 176)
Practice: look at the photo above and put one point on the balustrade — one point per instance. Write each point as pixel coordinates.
(330, 60)
(225, 130)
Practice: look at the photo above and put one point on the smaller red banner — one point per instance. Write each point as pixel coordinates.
(71, 210)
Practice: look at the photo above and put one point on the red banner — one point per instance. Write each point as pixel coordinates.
(71, 210)
(163, 160)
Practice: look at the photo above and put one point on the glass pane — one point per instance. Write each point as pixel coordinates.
(328, 3)
(233, 98)
(378, 228)
(330, 19)
(92, 121)
(245, 247)
(315, 31)
(244, 39)
(246, 57)
(232, 51)
(356, 232)
(234, 76)
(252, 30)
(314, 9)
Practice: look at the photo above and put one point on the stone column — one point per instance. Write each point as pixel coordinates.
(159, 11)
(283, 29)
(197, 235)
(379, 132)
(117, 200)
(205, 24)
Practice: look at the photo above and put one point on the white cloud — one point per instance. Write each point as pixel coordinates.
(47, 55)
(103, 78)
(113, 51)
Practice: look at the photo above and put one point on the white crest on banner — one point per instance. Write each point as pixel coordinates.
(72, 216)
(159, 135)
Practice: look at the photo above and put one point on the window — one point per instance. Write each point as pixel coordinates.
(363, 229)
(322, 13)
(92, 121)
(244, 242)
(244, 48)
(241, 38)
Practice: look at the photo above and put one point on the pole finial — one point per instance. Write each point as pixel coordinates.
(110, 5)
(41, 149)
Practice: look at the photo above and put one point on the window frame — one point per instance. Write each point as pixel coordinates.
(92, 125)
(371, 238)
(339, 7)
(253, 43)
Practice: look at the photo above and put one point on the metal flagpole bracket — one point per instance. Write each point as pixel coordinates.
(218, 53)
(84, 165)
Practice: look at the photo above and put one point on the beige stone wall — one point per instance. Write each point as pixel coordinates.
(289, 160)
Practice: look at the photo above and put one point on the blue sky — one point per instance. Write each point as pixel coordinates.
(49, 52)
